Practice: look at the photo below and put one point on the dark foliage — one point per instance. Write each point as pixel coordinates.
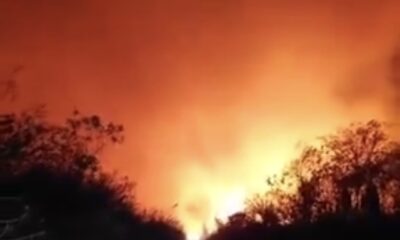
(54, 170)
(347, 188)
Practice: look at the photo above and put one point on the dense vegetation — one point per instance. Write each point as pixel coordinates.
(52, 185)
(348, 187)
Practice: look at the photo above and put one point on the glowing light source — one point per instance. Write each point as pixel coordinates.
(193, 236)
(231, 203)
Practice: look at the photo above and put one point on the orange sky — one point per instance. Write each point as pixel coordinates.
(215, 95)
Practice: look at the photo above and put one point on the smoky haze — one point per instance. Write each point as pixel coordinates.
(214, 95)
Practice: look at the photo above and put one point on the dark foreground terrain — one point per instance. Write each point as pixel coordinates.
(52, 186)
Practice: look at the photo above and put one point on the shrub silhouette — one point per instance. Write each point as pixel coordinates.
(347, 187)
(54, 170)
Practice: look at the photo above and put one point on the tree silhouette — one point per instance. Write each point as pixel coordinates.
(347, 186)
(55, 170)
(28, 139)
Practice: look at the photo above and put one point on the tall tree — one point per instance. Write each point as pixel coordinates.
(55, 169)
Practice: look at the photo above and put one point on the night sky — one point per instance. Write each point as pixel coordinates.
(214, 95)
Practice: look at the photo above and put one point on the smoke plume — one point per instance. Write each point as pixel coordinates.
(214, 95)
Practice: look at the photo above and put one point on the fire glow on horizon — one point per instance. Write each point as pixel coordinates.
(214, 96)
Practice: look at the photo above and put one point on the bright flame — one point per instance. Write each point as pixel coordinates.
(231, 203)
(226, 194)
(193, 236)
(214, 96)
(219, 191)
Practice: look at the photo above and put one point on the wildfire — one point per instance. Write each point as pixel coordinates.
(216, 193)
(217, 198)
(230, 203)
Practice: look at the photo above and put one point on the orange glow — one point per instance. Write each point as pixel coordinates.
(231, 203)
(220, 187)
(214, 96)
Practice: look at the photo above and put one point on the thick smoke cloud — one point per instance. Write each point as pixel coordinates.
(214, 94)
